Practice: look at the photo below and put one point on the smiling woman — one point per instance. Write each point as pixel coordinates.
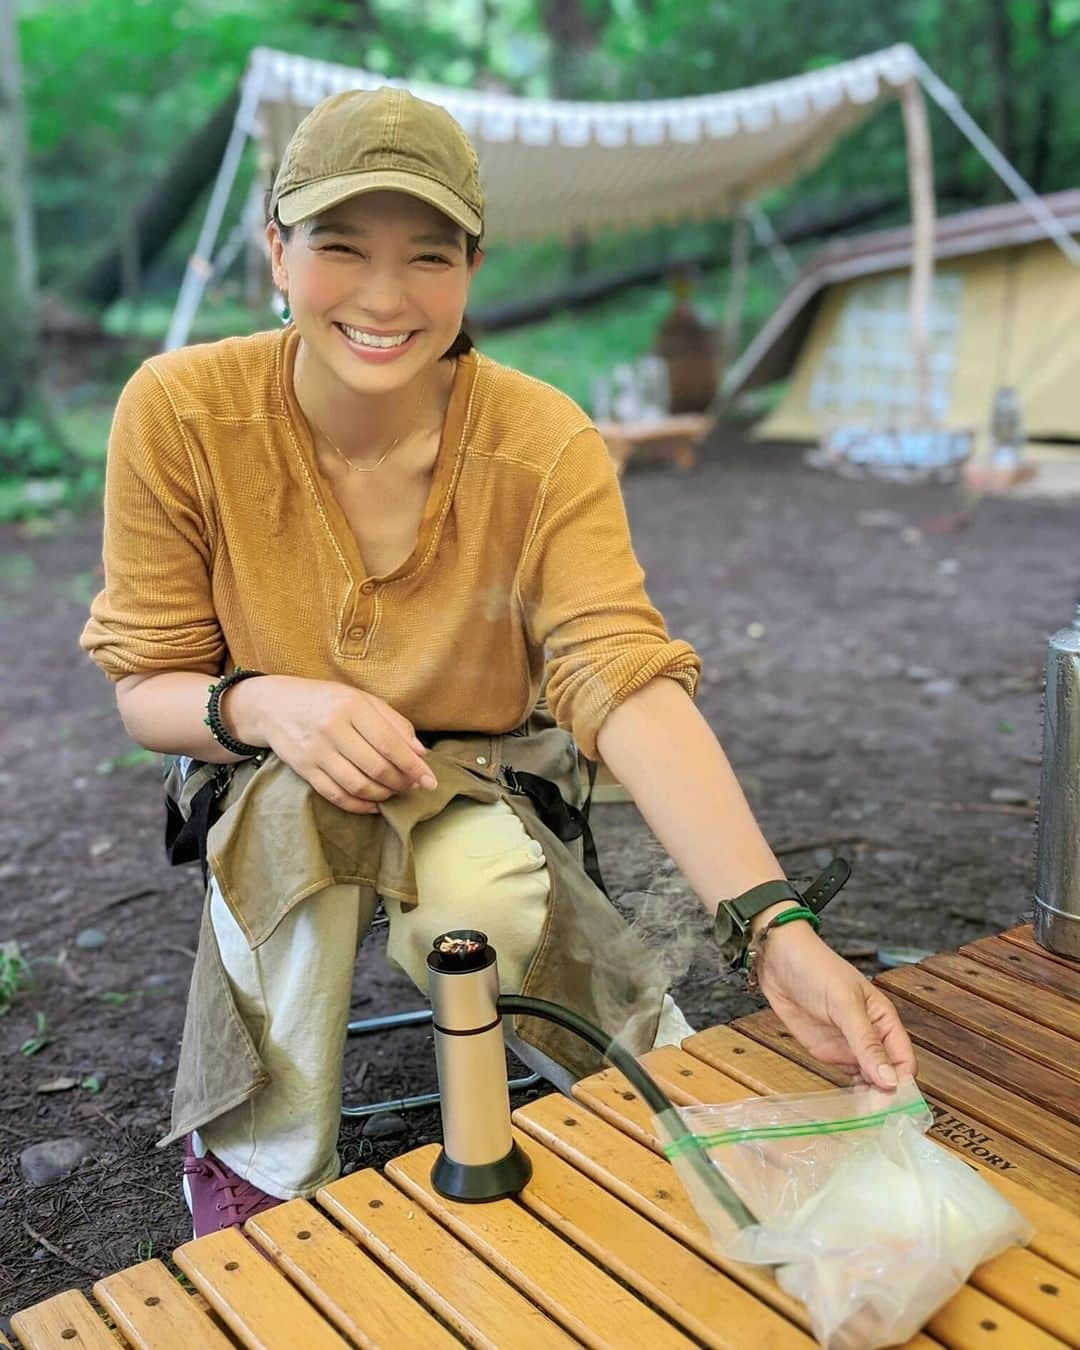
(391, 554)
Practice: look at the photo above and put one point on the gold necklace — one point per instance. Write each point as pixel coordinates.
(357, 468)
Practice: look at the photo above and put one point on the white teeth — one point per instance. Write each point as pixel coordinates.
(373, 339)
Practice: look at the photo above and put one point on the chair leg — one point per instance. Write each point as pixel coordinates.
(367, 1025)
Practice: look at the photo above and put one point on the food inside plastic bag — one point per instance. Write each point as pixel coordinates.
(872, 1225)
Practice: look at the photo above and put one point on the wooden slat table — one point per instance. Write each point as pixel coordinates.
(603, 1247)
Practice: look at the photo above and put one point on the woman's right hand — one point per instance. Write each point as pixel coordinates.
(351, 746)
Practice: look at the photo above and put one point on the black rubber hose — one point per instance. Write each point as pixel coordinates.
(651, 1092)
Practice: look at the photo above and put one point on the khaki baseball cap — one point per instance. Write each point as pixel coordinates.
(371, 139)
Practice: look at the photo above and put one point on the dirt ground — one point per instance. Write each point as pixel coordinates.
(873, 659)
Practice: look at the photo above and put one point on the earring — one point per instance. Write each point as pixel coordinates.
(286, 313)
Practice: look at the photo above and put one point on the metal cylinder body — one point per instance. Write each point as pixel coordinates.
(1057, 873)
(470, 1055)
(479, 1158)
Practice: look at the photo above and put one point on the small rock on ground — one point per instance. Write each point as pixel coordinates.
(386, 1125)
(939, 688)
(52, 1159)
(90, 940)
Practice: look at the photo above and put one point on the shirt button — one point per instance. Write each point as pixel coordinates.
(356, 633)
(481, 759)
(367, 588)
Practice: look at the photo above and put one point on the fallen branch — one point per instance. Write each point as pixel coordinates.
(805, 845)
(124, 899)
(59, 1252)
(997, 808)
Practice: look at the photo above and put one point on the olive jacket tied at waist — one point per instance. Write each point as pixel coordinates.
(277, 842)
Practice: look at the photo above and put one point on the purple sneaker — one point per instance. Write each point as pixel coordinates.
(216, 1196)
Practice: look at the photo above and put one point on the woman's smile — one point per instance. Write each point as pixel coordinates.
(379, 348)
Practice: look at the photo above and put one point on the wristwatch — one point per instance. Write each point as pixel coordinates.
(731, 927)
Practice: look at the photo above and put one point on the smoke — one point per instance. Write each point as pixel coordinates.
(668, 933)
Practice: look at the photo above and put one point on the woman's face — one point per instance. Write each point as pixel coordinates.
(377, 287)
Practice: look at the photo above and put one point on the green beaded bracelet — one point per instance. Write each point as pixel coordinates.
(753, 950)
(801, 912)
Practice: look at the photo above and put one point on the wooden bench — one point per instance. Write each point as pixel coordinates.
(675, 438)
(603, 1247)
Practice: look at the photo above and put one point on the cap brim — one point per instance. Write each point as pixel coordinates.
(311, 199)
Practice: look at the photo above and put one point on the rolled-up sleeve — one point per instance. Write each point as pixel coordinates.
(156, 610)
(582, 593)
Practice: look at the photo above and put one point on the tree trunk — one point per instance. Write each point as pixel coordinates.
(1002, 108)
(164, 208)
(1045, 107)
(19, 323)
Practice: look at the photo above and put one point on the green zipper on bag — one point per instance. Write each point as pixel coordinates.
(742, 1136)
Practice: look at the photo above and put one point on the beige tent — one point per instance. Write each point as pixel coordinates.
(1005, 311)
(556, 167)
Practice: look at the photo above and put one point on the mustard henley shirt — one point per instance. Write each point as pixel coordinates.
(224, 546)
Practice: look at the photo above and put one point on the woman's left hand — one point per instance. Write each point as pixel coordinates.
(831, 1009)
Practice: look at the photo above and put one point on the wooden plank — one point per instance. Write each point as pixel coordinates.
(1010, 991)
(1024, 938)
(968, 1098)
(693, 1293)
(1034, 1288)
(1055, 1101)
(250, 1296)
(481, 1306)
(155, 1312)
(1034, 1043)
(752, 1064)
(1057, 1231)
(646, 1181)
(345, 1284)
(566, 1284)
(971, 1320)
(1024, 964)
(610, 1095)
(687, 1079)
(69, 1320)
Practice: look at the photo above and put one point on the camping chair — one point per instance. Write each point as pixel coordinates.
(406, 1019)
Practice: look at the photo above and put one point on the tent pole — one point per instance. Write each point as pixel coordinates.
(921, 182)
(1024, 193)
(740, 263)
(767, 237)
(200, 265)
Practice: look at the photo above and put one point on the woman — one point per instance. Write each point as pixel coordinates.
(393, 545)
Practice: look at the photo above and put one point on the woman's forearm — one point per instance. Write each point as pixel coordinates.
(165, 713)
(661, 749)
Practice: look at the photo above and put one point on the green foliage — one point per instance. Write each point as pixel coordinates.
(14, 974)
(41, 1037)
(28, 450)
(112, 92)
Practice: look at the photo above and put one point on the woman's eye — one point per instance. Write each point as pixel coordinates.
(337, 248)
(433, 258)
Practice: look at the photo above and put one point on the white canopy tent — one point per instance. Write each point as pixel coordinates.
(558, 168)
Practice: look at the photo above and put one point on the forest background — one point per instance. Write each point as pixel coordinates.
(122, 109)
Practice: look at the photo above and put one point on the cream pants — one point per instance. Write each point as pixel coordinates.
(476, 867)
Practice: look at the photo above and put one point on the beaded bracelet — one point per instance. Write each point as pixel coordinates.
(754, 950)
(217, 726)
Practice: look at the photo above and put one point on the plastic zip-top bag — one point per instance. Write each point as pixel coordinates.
(871, 1224)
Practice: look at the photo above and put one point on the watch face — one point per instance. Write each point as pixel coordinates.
(726, 933)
